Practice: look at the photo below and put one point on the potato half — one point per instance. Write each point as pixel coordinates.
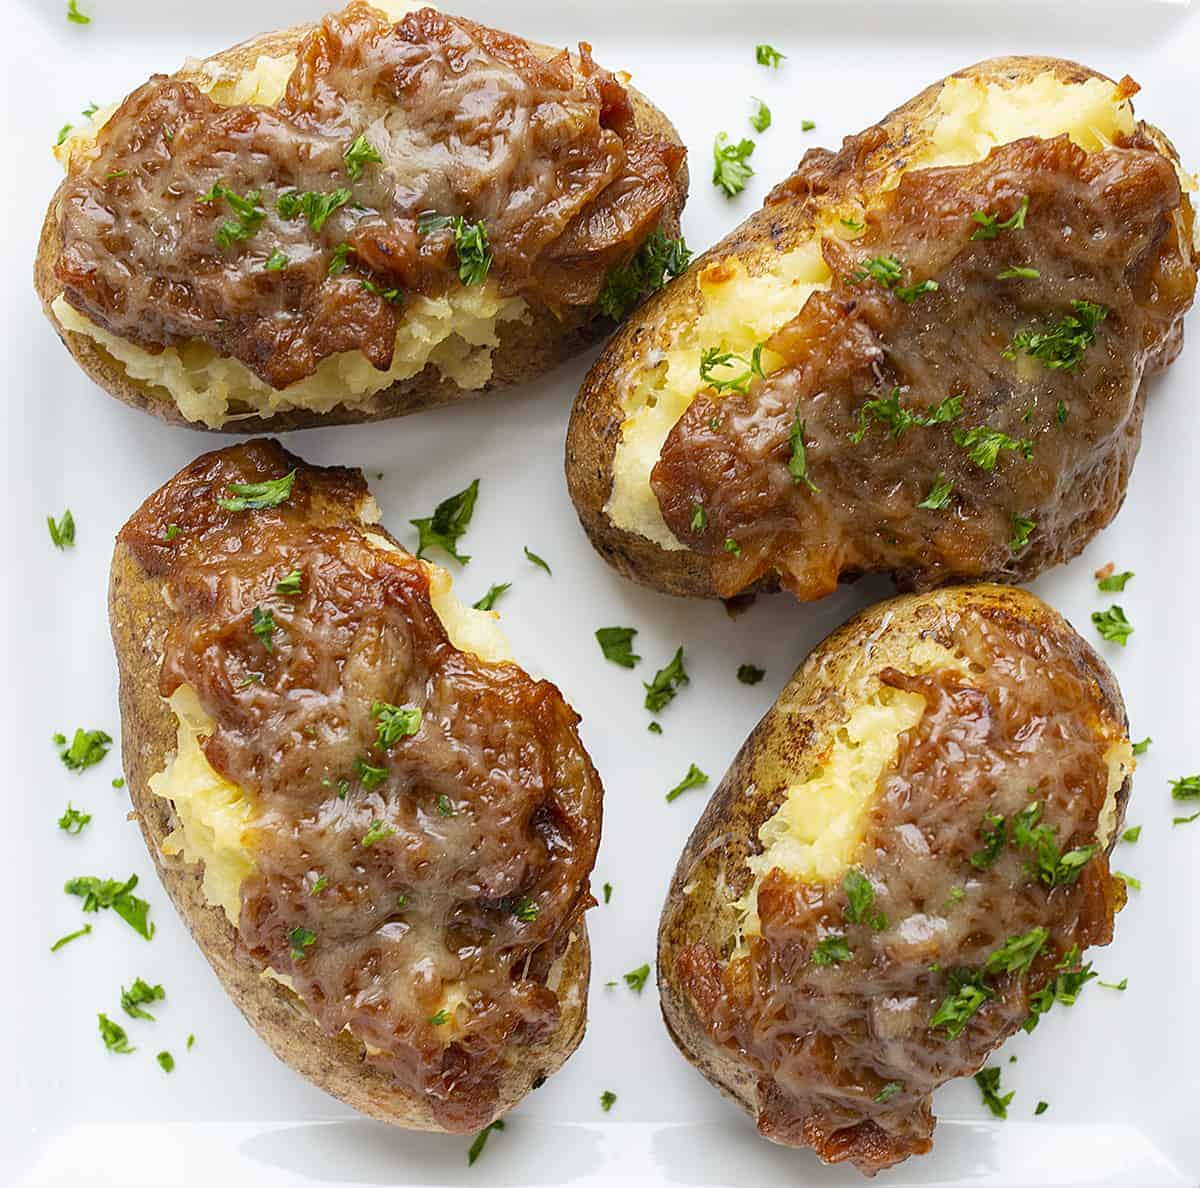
(650, 442)
(377, 827)
(903, 866)
(448, 346)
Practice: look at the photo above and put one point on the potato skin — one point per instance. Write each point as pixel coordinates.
(139, 617)
(595, 426)
(526, 350)
(712, 869)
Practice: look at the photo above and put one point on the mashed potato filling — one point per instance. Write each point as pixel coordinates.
(456, 333)
(738, 309)
(214, 815)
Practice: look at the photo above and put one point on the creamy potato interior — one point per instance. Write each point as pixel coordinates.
(738, 308)
(215, 815)
(456, 333)
(815, 834)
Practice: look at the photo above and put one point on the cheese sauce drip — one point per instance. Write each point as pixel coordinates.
(458, 119)
(419, 891)
(846, 1052)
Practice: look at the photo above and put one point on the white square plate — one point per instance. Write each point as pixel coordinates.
(1119, 1070)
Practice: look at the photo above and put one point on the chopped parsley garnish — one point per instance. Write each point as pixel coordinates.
(114, 1037)
(77, 18)
(319, 886)
(1186, 788)
(888, 1092)
(191, 1040)
(608, 1099)
(1021, 528)
(860, 899)
(654, 728)
(730, 171)
(807, 125)
(635, 979)
(62, 531)
(939, 494)
(440, 1018)
(694, 778)
(314, 206)
(63, 133)
(470, 243)
(377, 832)
(909, 293)
(489, 599)
(248, 215)
(1069, 979)
(831, 950)
(988, 1080)
(172, 532)
(166, 1061)
(339, 259)
(524, 909)
(852, 224)
(647, 272)
(1123, 984)
(290, 585)
(661, 691)
(983, 445)
(1113, 625)
(740, 382)
(301, 940)
(798, 462)
(359, 153)
(257, 496)
(1128, 880)
(538, 561)
(137, 996)
(394, 296)
(86, 749)
(1132, 834)
(395, 722)
(898, 419)
(750, 674)
(699, 518)
(1062, 347)
(1114, 583)
(370, 777)
(760, 120)
(1017, 953)
(262, 623)
(994, 832)
(607, 892)
(445, 806)
(277, 261)
(108, 893)
(617, 645)
(449, 521)
(72, 821)
(477, 1145)
(990, 225)
(119, 782)
(885, 271)
(1018, 272)
(1040, 1108)
(732, 546)
(1185, 820)
(1048, 864)
(968, 992)
(66, 940)
(768, 55)
(251, 678)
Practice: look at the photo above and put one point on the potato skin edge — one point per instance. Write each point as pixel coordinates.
(526, 350)
(139, 618)
(727, 831)
(595, 426)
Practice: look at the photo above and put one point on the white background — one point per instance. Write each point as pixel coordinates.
(1119, 1070)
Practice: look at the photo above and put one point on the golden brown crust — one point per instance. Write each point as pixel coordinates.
(527, 348)
(595, 426)
(712, 869)
(139, 618)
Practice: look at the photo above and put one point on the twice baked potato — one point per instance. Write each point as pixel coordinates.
(356, 219)
(903, 866)
(377, 827)
(925, 355)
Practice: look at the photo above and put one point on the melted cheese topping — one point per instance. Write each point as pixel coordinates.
(738, 309)
(216, 816)
(455, 333)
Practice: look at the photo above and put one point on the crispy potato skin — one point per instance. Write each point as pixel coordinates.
(139, 617)
(712, 870)
(595, 427)
(526, 350)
